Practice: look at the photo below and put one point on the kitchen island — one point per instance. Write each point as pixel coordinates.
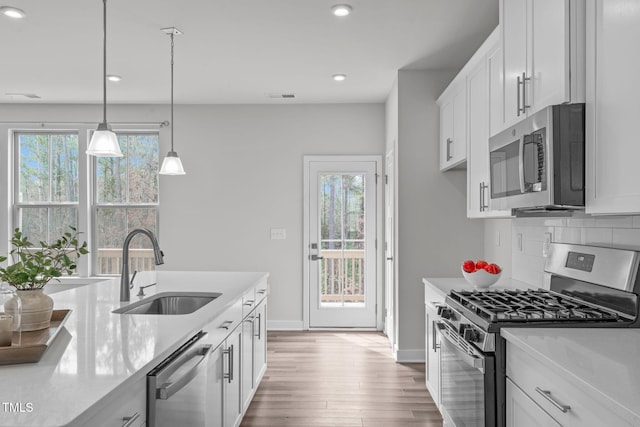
(100, 355)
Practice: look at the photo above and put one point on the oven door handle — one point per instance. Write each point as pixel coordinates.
(474, 361)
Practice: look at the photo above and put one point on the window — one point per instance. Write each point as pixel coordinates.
(126, 197)
(46, 184)
(55, 185)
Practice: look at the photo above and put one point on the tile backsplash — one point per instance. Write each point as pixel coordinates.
(528, 239)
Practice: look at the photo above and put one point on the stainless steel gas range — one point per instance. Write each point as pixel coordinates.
(585, 287)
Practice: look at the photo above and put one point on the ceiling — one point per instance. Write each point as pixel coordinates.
(232, 51)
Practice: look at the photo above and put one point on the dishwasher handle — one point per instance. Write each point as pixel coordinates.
(171, 387)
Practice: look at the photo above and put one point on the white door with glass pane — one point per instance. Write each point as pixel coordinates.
(341, 243)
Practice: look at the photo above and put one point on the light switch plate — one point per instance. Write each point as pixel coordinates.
(278, 233)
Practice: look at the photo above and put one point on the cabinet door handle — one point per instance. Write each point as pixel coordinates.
(229, 353)
(522, 82)
(483, 200)
(525, 79)
(262, 291)
(249, 303)
(547, 395)
(434, 346)
(128, 421)
(259, 317)
(449, 155)
(518, 94)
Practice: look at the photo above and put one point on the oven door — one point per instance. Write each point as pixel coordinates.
(467, 382)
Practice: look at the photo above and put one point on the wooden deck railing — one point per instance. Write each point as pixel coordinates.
(110, 260)
(342, 275)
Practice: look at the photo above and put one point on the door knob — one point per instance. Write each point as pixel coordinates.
(389, 258)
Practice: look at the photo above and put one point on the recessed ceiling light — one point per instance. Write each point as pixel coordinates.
(113, 78)
(339, 77)
(341, 9)
(12, 12)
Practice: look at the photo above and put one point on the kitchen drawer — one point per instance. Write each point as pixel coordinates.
(432, 296)
(218, 329)
(127, 401)
(262, 289)
(248, 302)
(584, 406)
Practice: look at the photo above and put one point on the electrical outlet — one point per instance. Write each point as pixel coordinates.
(546, 244)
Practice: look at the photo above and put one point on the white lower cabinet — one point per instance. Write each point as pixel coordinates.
(540, 394)
(223, 383)
(432, 351)
(260, 343)
(232, 376)
(127, 409)
(522, 411)
(248, 326)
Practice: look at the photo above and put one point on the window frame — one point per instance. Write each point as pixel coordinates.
(16, 205)
(87, 186)
(94, 205)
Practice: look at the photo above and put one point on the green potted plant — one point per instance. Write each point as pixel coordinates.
(33, 267)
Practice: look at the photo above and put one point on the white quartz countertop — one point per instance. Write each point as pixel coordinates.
(99, 352)
(604, 360)
(439, 287)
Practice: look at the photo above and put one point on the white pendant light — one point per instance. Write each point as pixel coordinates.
(172, 165)
(104, 142)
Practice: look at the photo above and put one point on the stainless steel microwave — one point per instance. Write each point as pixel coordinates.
(538, 164)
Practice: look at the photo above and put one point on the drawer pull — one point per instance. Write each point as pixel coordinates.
(128, 421)
(547, 395)
(249, 303)
(262, 291)
(226, 324)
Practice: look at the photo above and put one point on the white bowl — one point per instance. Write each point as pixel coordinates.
(481, 278)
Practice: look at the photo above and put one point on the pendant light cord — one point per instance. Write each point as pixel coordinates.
(104, 61)
(172, 34)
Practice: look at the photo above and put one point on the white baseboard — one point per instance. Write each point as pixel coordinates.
(285, 325)
(410, 356)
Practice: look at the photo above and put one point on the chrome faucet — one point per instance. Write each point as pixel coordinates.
(157, 254)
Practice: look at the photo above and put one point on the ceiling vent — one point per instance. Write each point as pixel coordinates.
(26, 95)
(282, 95)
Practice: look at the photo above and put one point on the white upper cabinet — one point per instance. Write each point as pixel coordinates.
(483, 102)
(613, 87)
(453, 125)
(543, 55)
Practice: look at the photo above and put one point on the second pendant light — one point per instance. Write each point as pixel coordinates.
(172, 165)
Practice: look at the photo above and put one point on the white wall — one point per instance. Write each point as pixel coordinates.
(498, 243)
(244, 175)
(434, 236)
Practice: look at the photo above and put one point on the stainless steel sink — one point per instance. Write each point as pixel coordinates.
(170, 303)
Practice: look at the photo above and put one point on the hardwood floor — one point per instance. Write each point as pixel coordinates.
(339, 379)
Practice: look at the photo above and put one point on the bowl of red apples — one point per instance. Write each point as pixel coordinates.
(481, 274)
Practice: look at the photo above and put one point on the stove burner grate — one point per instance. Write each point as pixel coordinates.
(529, 306)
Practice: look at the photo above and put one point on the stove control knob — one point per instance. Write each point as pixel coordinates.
(471, 335)
(444, 312)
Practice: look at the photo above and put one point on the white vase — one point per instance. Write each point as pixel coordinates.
(37, 308)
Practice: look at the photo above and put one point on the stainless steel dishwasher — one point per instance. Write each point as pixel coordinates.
(177, 387)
